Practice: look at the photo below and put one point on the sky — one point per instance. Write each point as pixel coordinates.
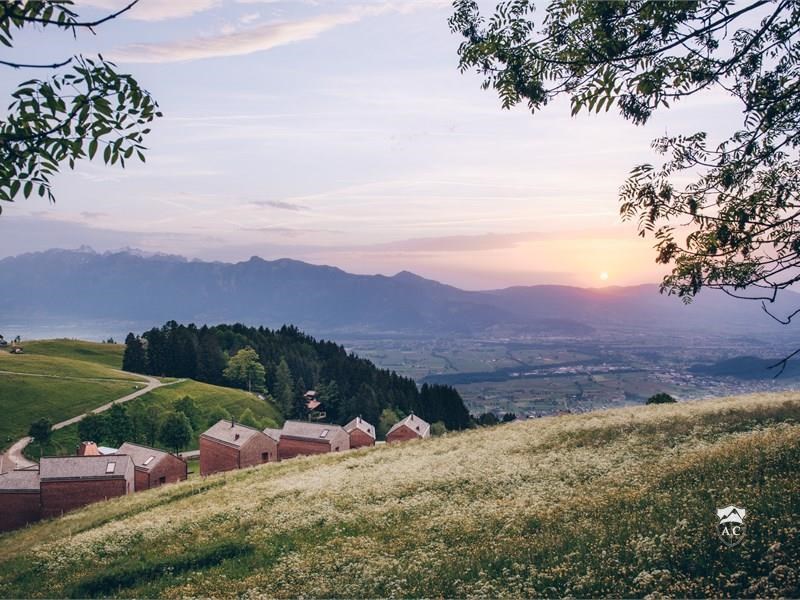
(343, 133)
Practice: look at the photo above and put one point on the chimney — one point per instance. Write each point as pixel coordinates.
(236, 437)
(232, 422)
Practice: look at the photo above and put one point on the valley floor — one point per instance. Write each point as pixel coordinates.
(613, 503)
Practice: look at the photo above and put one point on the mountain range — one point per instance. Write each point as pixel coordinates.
(129, 286)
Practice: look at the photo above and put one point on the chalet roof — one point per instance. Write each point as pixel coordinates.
(24, 480)
(77, 467)
(414, 423)
(275, 434)
(359, 423)
(143, 457)
(312, 431)
(313, 404)
(230, 433)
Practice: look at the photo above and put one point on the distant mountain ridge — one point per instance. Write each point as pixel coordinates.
(135, 287)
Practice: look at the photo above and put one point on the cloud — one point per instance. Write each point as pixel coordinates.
(249, 18)
(280, 204)
(154, 10)
(246, 41)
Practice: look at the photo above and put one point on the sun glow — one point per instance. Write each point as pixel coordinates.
(604, 276)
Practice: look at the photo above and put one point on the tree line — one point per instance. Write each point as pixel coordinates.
(283, 364)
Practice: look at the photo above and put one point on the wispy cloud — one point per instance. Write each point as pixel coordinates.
(93, 215)
(154, 10)
(280, 204)
(255, 39)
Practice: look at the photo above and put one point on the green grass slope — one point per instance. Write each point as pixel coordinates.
(109, 355)
(615, 503)
(58, 379)
(207, 397)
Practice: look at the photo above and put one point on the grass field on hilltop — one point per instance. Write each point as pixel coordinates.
(26, 399)
(207, 397)
(614, 503)
(59, 379)
(109, 355)
(57, 366)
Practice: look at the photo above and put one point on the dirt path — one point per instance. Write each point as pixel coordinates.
(13, 457)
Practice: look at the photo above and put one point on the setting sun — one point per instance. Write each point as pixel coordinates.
(604, 276)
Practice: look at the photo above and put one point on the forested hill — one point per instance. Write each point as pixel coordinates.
(289, 363)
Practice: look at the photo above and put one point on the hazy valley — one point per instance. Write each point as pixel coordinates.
(534, 350)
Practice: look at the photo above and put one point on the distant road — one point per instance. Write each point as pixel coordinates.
(13, 458)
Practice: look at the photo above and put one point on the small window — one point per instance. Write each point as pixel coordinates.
(149, 460)
(110, 467)
(324, 433)
(264, 456)
(162, 480)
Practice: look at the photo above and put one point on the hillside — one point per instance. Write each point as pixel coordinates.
(126, 291)
(58, 379)
(523, 510)
(208, 398)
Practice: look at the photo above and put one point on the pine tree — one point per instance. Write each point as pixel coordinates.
(210, 359)
(284, 388)
(134, 359)
(299, 408)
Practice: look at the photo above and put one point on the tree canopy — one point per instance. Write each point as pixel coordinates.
(176, 431)
(294, 362)
(85, 108)
(245, 370)
(723, 213)
(41, 431)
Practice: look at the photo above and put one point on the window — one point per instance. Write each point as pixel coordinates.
(149, 460)
(264, 456)
(324, 433)
(110, 467)
(162, 480)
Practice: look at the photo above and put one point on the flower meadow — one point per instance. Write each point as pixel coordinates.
(617, 503)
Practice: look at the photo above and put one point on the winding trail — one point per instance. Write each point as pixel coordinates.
(13, 457)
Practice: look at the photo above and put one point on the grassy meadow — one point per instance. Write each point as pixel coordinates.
(615, 503)
(58, 379)
(109, 355)
(207, 397)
